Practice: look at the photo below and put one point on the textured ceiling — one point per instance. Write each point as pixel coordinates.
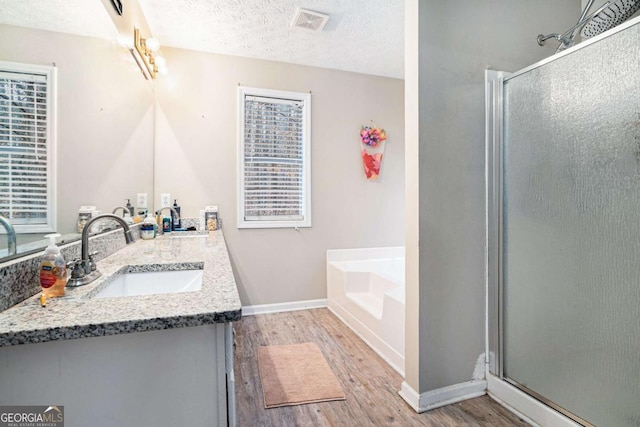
(84, 17)
(364, 36)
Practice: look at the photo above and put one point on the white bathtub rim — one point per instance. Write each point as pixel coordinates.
(361, 254)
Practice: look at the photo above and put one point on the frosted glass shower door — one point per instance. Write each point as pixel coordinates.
(570, 230)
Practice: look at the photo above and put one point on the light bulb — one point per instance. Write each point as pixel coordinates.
(125, 42)
(153, 44)
(160, 61)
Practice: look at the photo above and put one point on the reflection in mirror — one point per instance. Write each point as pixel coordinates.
(11, 235)
(104, 117)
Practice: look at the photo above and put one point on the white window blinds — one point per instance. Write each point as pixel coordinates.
(274, 152)
(26, 187)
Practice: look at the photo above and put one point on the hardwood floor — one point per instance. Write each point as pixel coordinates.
(370, 384)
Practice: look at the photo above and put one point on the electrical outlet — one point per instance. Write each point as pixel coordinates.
(142, 201)
(165, 200)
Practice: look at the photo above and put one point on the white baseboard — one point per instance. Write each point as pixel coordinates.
(443, 396)
(251, 310)
(526, 407)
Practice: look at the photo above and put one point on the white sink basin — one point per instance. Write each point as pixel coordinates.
(151, 283)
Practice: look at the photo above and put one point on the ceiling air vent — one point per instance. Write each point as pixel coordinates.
(310, 20)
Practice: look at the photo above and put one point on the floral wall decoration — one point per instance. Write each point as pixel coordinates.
(372, 140)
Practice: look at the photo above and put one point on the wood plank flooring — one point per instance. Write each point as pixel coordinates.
(370, 384)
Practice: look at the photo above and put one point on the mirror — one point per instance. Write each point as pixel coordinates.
(104, 121)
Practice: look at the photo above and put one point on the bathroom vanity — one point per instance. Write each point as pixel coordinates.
(151, 359)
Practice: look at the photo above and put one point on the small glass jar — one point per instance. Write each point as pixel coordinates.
(211, 220)
(84, 216)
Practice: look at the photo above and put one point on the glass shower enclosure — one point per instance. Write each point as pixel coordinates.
(564, 229)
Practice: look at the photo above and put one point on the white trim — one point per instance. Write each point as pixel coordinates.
(305, 98)
(442, 396)
(52, 148)
(251, 310)
(377, 344)
(51, 75)
(518, 402)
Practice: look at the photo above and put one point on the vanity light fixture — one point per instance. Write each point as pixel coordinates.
(145, 52)
(117, 5)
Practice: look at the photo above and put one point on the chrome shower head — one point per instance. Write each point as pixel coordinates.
(613, 15)
(607, 16)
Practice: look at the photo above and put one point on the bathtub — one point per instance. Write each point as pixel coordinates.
(365, 289)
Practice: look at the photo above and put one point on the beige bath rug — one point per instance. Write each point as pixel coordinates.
(296, 374)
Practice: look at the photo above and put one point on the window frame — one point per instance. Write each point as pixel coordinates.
(305, 98)
(50, 73)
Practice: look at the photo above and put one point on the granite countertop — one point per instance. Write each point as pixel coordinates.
(79, 315)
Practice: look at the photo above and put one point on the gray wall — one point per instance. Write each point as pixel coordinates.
(457, 42)
(195, 161)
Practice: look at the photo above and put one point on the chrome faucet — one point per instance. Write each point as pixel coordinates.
(124, 210)
(176, 217)
(11, 235)
(84, 269)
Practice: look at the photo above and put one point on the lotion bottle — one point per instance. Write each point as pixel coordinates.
(53, 270)
(149, 225)
(176, 221)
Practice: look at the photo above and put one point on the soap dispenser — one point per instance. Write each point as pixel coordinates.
(53, 270)
(130, 207)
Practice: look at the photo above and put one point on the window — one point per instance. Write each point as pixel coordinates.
(27, 146)
(274, 133)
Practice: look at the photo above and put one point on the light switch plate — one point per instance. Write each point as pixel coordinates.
(165, 200)
(142, 201)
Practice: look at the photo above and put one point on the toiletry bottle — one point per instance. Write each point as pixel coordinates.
(130, 207)
(176, 221)
(99, 226)
(148, 228)
(53, 270)
(142, 215)
(153, 221)
(201, 223)
(166, 224)
(128, 219)
(160, 223)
